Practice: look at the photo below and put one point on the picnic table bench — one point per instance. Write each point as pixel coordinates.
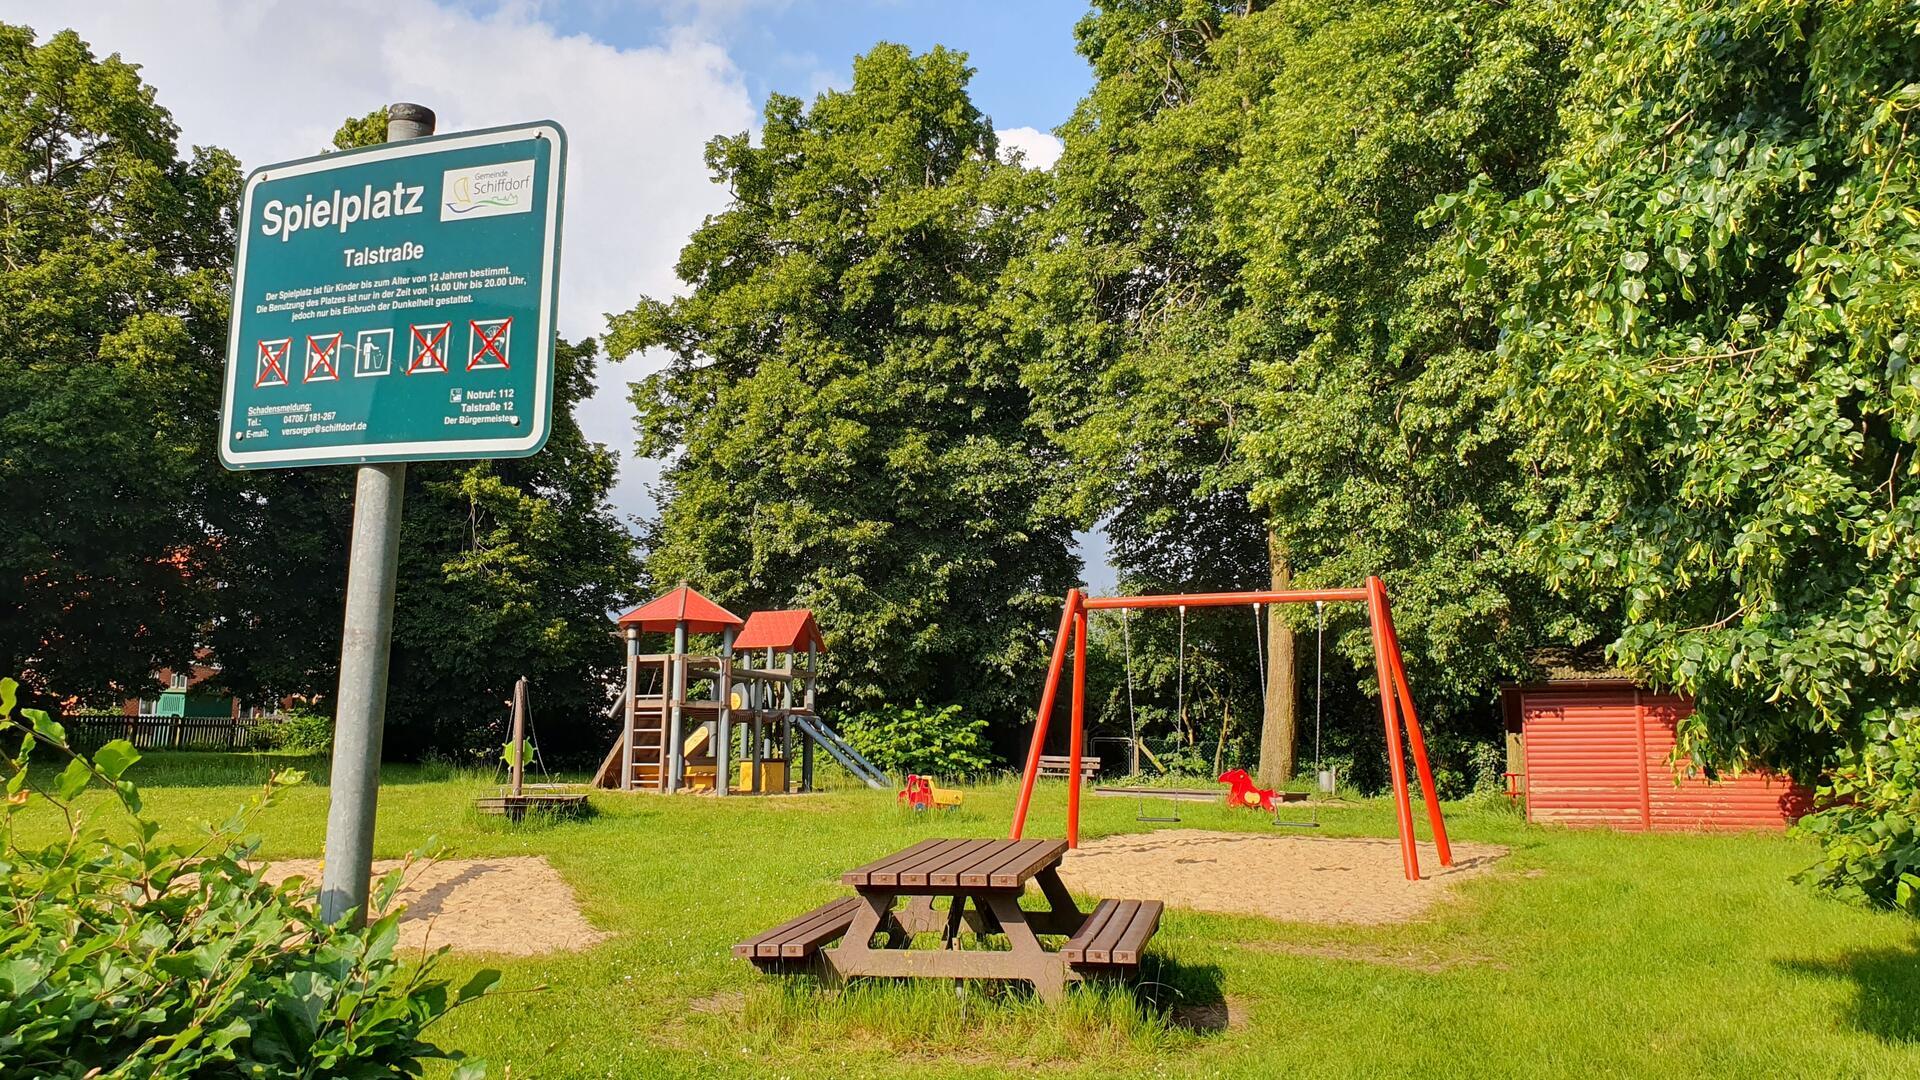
(983, 881)
(1062, 765)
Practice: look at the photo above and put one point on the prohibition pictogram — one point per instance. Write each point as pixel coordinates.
(487, 343)
(271, 369)
(322, 351)
(427, 350)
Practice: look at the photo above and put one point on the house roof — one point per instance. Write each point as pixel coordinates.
(787, 631)
(682, 605)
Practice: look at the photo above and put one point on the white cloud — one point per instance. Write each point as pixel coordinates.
(272, 80)
(1039, 150)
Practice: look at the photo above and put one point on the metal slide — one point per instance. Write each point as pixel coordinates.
(843, 752)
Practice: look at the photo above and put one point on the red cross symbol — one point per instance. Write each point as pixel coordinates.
(488, 344)
(271, 370)
(320, 352)
(427, 346)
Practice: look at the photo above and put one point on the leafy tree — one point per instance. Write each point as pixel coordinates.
(1120, 304)
(1709, 334)
(113, 252)
(1374, 437)
(129, 548)
(1263, 355)
(844, 423)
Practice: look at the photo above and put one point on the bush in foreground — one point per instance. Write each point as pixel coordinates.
(121, 956)
(1868, 822)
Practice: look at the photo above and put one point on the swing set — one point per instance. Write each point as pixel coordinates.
(1135, 746)
(1396, 699)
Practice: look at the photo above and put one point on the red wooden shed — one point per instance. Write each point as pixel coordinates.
(1590, 747)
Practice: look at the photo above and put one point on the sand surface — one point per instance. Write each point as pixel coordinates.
(517, 905)
(1289, 877)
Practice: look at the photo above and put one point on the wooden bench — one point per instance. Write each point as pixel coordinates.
(1062, 765)
(1114, 935)
(798, 939)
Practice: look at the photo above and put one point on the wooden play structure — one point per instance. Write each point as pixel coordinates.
(1396, 700)
(691, 717)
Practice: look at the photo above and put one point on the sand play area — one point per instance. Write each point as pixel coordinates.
(518, 905)
(1288, 877)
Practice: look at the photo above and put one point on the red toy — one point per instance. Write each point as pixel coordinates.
(1241, 791)
(919, 793)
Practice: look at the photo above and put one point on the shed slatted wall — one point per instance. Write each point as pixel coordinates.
(1752, 800)
(1585, 764)
(1599, 757)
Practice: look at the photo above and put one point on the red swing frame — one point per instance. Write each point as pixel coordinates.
(1396, 700)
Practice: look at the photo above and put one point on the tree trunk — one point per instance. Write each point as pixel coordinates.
(1278, 723)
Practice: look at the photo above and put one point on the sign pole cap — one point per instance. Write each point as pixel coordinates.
(408, 111)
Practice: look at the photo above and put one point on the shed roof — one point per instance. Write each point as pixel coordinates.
(701, 615)
(1586, 664)
(789, 631)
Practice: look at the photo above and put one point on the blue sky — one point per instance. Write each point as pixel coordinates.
(1028, 74)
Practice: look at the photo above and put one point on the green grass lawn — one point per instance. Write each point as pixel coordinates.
(1584, 954)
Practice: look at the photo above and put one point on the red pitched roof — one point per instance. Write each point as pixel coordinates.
(787, 631)
(701, 615)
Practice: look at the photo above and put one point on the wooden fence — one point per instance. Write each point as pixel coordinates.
(90, 731)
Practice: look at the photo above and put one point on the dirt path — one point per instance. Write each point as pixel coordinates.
(1292, 878)
(516, 905)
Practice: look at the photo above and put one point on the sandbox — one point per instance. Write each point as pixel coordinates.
(1288, 877)
(515, 905)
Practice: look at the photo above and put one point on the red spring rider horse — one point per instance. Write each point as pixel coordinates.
(1241, 791)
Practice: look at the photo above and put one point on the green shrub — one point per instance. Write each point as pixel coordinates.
(915, 739)
(297, 729)
(1188, 761)
(1868, 818)
(122, 956)
(1487, 762)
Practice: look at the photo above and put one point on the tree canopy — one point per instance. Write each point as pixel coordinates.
(112, 316)
(129, 549)
(1261, 350)
(1708, 335)
(843, 422)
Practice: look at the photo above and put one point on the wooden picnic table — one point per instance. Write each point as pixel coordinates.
(983, 881)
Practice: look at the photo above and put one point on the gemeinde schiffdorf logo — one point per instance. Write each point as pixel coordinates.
(486, 190)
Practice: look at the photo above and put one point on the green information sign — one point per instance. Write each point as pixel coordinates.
(396, 303)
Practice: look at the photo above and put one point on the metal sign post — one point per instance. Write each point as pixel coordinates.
(391, 304)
